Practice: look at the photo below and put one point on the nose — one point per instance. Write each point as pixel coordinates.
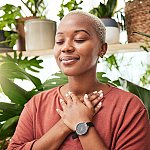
(67, 47)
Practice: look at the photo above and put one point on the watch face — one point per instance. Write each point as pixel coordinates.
(81, 128)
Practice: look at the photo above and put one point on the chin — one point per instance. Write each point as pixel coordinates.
(70, 72)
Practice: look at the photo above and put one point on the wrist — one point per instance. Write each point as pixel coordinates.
(82, 129)
(64, 127)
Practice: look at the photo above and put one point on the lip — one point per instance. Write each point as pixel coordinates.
(69, 60)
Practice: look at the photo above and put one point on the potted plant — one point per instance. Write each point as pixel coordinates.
(8, 34)
(137, 14)
(105, 12)
(70, 5)
(37, 9)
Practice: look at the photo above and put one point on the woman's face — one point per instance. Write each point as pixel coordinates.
(77, 46)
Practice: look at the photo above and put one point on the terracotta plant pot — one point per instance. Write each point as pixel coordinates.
(5, 46)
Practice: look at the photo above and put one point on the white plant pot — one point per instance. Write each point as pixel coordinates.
(112, 30)
(39, 34)
(112, 35)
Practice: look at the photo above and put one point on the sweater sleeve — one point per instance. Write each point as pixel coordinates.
(134, 132)
(23, 138)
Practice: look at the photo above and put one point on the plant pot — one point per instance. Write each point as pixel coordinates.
(137, 16)
(4, 46)
(112, 30)
(40, 34)
(21, 32)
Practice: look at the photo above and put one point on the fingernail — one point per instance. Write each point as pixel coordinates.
(69, 92)
(101, 95)
(100, 104)
(67, 95)
(100, 91)
(86, 96)
(57, 110)
(61, 100)
(94, 92)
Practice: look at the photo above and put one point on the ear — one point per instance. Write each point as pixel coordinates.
(103, 50)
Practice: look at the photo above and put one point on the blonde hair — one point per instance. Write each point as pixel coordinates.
(96, 23)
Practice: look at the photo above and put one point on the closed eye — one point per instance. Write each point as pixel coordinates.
(79, 40)
(59, 42)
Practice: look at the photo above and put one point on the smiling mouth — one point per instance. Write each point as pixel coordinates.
(69, 60)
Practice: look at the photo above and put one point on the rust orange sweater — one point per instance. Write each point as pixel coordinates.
(122, 122)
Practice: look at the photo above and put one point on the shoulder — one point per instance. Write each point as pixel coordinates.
(123, 103)
(125, 98)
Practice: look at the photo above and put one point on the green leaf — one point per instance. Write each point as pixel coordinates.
(112, 61)
(7, 129)
(56, 80)
(24, 63)
(105, 10)
(103, 79)
(10, 108)
(15, 93)
(111, 6)
(9, 123)
(141, 92)
(11, 70)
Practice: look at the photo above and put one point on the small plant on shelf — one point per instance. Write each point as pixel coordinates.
(9, 14)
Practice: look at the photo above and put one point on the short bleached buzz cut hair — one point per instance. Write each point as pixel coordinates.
(96, 23)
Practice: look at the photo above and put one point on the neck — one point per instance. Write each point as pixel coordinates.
(81, 85)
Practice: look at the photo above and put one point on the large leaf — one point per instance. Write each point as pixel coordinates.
(14, 92)
(8, 110)
(12, 70)
(56, 80)
(105, 10)
(7, 129)
(24, 63)
(141, 92)
(111, 6)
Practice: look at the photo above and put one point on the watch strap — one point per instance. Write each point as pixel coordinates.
(75, 135)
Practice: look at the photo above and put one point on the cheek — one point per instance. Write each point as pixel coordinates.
(56, 56)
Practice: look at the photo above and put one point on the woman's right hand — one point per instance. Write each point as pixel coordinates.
(74, 111)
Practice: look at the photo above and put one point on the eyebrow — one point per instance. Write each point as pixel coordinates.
(82, 31)
(76, 32)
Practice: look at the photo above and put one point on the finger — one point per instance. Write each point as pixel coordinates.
(62, 103)
(97, 100)
(60, 112)
(101, 93)
(68, 98)
(95, 95)
(82, 98)
(87, 102)
(98, 107)
(75, 99)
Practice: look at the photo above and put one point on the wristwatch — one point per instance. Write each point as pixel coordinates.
(82, 129)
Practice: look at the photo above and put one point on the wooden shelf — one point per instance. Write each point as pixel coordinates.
(122, 48)
(114, 48)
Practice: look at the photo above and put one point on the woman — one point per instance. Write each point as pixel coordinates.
(70, 117)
